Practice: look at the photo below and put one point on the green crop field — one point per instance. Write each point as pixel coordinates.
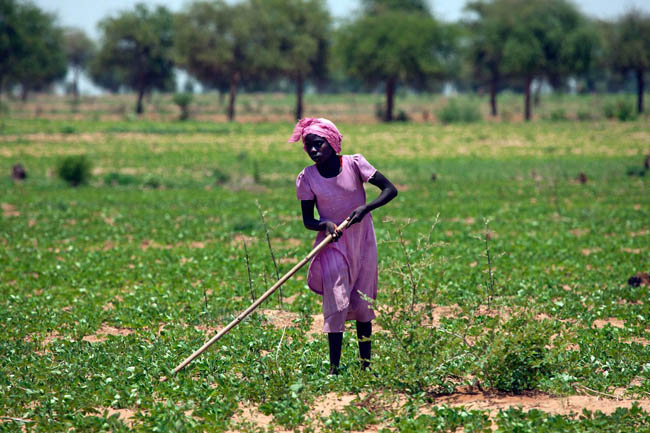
(106, 287)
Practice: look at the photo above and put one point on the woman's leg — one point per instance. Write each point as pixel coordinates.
(364, 331)
(336, 341)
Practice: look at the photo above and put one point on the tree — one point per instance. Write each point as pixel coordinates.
(79, 49)
(11, 44)
(548, 39)
(136, 47)
(219, 43)
(31, 47)
(377, 7)
(628, 48)
(487, 33)
(394, 47)
(299, 31)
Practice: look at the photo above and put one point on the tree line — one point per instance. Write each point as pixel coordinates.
(256, 44)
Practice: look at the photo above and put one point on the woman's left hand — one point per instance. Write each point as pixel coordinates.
(358, 214)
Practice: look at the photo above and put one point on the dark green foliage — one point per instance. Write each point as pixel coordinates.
(136, 51)
(115, 178)
(75, 170)
(393, 48)
(627, 43)
(31, 47)
(517, 358)
(620, 109)
(558, 115)
(220, 176)
(183, 100)
(456, 111)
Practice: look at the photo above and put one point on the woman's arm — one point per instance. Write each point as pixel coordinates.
(388, 192)
(312, 223)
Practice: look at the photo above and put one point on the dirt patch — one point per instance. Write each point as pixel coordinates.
(127, 416)
(47, 339)
(105, 331)
(612, 321)
(590, 251)
(280, 319)
(238, 240)
(330, 402)
(248, 417)
(579, 232)
(9, 210)
(289, 260)
(493, 402)
(285, 243)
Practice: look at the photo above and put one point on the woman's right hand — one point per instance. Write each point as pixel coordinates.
(331, 229)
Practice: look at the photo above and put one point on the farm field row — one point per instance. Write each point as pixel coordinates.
(106, 287)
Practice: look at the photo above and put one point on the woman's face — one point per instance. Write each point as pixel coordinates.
(318, 148)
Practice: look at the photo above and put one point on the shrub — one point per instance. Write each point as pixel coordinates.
(620, 109)
(183, 100)
(558, 115)
(517, 358)
(220, 176)
(380, 114)
(585, 115)
(402, 116)
(75, 170)
(114, 178)
(152, 182)
(459, 112)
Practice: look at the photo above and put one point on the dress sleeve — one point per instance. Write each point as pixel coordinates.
(365, 170)
(303, 189)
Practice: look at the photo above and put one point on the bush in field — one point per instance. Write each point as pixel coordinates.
(75, 169)
(516, 360)
(621, 109)
(585, 115)
(115, 178)
(558, 115)
(459, 112)
(183, 100)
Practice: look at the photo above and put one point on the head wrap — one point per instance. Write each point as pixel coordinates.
(321, 127)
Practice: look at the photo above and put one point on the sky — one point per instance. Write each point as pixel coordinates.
(87, 13)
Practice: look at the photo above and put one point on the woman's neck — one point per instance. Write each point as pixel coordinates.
(331, 167)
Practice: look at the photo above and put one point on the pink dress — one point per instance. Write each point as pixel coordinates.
(343, 270)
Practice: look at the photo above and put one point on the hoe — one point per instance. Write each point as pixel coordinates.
(261, 299)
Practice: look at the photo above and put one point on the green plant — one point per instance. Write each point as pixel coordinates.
(220, 176)
(620, 109)
(459, 112)
(517, 358)
(115, 178)
(75, 170)
(557, 115)
(183, 100)
(585, 115)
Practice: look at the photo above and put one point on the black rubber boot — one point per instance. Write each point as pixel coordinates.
(364, 331)
(336, 341)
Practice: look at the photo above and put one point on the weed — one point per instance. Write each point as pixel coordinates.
(621, 109)
(517, 359)
(75, 170)
(456, 111)
(183, 101)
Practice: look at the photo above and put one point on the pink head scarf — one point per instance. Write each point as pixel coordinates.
(321, 127)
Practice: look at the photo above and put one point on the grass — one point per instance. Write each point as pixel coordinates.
(145, 253)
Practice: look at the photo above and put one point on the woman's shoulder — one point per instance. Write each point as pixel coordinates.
(305, 172)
